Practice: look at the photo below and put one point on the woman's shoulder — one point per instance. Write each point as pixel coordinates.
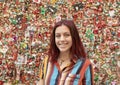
(83, 62)
(44, 58)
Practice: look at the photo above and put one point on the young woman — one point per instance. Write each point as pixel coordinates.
(66, 63)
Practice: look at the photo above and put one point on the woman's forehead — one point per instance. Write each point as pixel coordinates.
(62, 28)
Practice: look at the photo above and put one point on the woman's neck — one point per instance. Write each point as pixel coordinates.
(64, 56)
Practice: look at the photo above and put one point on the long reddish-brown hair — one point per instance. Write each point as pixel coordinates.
(77, 49)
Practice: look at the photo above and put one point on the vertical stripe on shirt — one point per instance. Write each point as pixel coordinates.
(88, 76)
(79, 64)
(49, 73)
(76, 80)
(75, 77)
(54, 76)
(76, 67)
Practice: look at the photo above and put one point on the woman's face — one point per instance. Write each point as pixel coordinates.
(63, 38)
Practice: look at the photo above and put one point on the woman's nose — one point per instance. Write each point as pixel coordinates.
(62, 38)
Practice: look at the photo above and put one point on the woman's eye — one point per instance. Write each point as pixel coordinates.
(66, 35)
(62, 35)
(57, 36)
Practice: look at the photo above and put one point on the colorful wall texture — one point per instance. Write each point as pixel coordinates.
(25, 27)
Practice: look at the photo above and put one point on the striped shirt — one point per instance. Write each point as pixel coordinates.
(68, 76)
